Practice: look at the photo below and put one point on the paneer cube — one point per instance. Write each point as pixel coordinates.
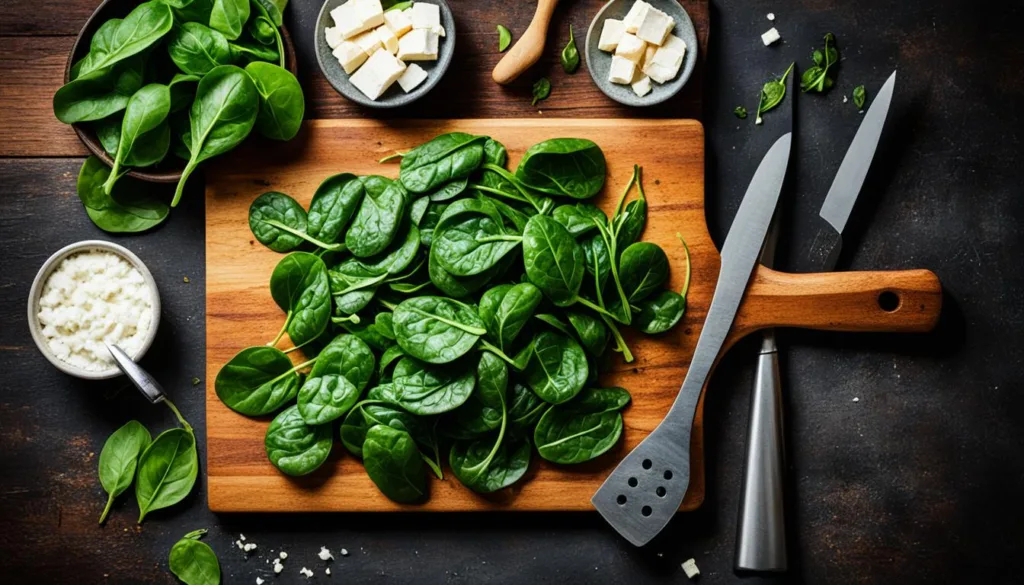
(413, 76)
(356, 16)
(770, 36)
(350, 56)
(333, 36)
(398, 21)
(674, 43)
(655, 27)
(621, 71)
(635, 16)
(611, 32)
(664, 65)
(425, 15)
(631, 47)
(368, 41)
(419, 44)
(378, 73)
(371, 12)
(387, 38)
(642, 87)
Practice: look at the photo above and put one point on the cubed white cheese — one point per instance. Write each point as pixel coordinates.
(690, 567)
(413, 76)
(770, 36)
(333, 35)
(631, 47)
(662, 72)
(398, 21)
(378, 73)
(425, 15)
(635, 16)
(611, 32)
(368, 41)
(371, 12)
(418, 45)
(622, 70)
(642, 87)
(387, 38)
(356, 16)
(674, 43)
(655, 26)
(350, 56)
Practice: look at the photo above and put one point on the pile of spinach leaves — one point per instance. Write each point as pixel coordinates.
(461, 309)
(185, 78)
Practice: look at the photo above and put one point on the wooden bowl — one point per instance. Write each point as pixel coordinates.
(169, 170)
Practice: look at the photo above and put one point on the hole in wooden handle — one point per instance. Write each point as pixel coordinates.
(889, 301)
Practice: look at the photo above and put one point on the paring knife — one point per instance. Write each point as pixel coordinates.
(761, 535)
(644, 491)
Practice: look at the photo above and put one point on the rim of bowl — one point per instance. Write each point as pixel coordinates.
(88, 138)
(432, 80)
(689, 61)
(36, 292)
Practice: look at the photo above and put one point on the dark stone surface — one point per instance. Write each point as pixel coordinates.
(917, 482)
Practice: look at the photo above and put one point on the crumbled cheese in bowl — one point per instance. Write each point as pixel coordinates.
(93, 297)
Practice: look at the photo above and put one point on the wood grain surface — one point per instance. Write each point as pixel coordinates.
(240, 312)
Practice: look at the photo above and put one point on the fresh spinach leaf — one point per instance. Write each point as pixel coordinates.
(568, 167)
(118, 40)
(450, 190)
(229, 17)
(326, 398)
(197, 49)
(435, 329)
(146, 111)
(131, 206)
(506, 309)
(484, 410)
(484, 469)
(817, 78)
(541, 90)
(282, 209)
(643, 269)
(99, 94)
(295, 447)
(504, 38)
(740, 112)
(659, 313)
(555, 263)
(471, 244)
(167, 470)
(194, 562)
(590, 330)
(426, 389)
(570, 55)
(579, 218)
(567, 435)
(370, 413)
(859, 96)
(300, 286)
(257, 381)
(379, 217)
(394, 464)
(119, 459)
(772, 94)
(557, 371)
(446, 158)
(524, 410)
(348, 356)
(282, 104)
(274, 10)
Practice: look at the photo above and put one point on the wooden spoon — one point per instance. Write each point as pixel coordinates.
(528, 48)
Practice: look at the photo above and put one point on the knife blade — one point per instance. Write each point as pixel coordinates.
(842, 195)
(645, 490)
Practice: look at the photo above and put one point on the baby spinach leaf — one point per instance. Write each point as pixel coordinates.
(117, 39)
(229, 17)
(569, 167)
(425, 389)
(222, 115)
(257, 381)
(131, 206)
(598, 260)
(300, 286)
(558, 369)
(348, 356)
(445, 158)
(194, 562)
(643, 269)
(506, 309)
(579, 218)
(435, 329)
(484, 470)
(554, 261)
(772, 94)
(524, 410)
(295, 447)
(504, 38)
(146, 111)
(274, 10)
(450, 190)
(567, 437)
(262, 29)
(495, 152)
(108, 132)
(379, 217)
(282, 209)
(418, 209)
(194, 11)
(816, 78)
(590, 330)
(398, 257)
(326, 398)
(281, 101)
(484, 410)
(740, 112)
(471, 244)
(456, 286)
(167, 471)
(541, 90)
(370, 413)
(197, 49)
(430, 218)
(859, 96)
(570, 55)
(99, 94)
(659, 313)
(119, 458)
(369, 333)
(394, 464)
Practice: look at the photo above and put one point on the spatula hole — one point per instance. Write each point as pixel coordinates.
(888, 301)
(632, 482)
(647, 464)
(646, 510)
(621, 500)
(660, 491)
(668, 474)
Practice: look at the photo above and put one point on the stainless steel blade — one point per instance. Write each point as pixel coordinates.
(854, 168)
(645, 490)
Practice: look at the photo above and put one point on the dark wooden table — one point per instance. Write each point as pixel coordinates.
(918, 481)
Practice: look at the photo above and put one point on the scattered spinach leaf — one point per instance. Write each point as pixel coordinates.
(772, 94)
(119, 459)
(193, 561)
(504, 38)
(570, 55)
(541, 90)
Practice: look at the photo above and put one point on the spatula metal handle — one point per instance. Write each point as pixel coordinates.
(761, 533)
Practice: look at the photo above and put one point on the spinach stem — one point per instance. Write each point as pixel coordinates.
(388, 305)
(106, 509)
(620, 343)
(191, 166)
(487, 346)
(391, 157)
(432, 465)
(280, 333)
(625, 193)
(303, 364)
(329, 247)
(177, 413)
(530, 197)
(600, 310)
(501, 238)
(686, 283)
(353, 318)
(610, 243)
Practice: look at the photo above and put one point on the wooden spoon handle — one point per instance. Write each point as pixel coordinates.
(528, 48)
(898, 301)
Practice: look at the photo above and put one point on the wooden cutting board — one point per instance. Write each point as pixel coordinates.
(240, 312)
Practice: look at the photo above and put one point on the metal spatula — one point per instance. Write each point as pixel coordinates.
(643, 493)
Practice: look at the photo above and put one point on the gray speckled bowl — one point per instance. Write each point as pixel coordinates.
(394, 96)
(598, 61)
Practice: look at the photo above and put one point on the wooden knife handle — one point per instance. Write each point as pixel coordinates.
(905, 301)
(528, 48)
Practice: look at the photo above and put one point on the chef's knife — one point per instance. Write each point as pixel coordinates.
(643, 493)
(761, 537)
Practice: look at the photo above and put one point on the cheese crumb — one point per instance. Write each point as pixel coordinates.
(306, 572)
(249, 546)
(771, 16)
(241, 536)
(325, 554)
(278, 567)
(855, 399)
(770, 36)
(259, 581)
(691, 569)
(327, 571)
(344, 552)
(283, 555)
(845, 99)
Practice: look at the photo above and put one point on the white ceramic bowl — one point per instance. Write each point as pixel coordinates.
(37, 289)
